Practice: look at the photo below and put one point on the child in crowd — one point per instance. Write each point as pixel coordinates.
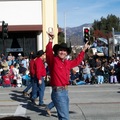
(113, 76)
(100, 75)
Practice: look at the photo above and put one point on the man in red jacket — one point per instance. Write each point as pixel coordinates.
(40, 73)
(60, 68)
(32, 75)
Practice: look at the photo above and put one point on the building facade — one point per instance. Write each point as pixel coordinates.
(28, 21)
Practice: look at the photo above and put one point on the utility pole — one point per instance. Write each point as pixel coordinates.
(65, 26)
(113, 33)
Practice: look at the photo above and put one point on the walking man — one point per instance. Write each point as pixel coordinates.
(60, 68)
(40, 73)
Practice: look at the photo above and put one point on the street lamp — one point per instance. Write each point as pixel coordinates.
(65, 26)
(65, 17)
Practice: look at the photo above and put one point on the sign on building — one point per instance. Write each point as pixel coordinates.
(14, 50)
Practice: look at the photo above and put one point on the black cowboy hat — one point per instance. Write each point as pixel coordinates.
(57, 47)
(40, 53)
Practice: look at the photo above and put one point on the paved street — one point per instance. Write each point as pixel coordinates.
(87, 102)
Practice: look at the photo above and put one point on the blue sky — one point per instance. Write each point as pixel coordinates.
(79, 12)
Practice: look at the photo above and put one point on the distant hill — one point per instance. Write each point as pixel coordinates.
(75, 34)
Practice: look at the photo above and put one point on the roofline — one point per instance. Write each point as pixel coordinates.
(13, 28)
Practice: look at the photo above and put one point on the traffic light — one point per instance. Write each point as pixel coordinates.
(86, 33)
(4, 30)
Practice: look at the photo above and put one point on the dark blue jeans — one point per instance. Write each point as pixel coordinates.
(25, 82)
(28, 87)
(61, 102)
(34, 88)
(40, 89)
(50, 105)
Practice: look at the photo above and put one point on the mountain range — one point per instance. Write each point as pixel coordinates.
(75, 34)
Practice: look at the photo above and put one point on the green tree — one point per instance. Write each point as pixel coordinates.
(103, 28)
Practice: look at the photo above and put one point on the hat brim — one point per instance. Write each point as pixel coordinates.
(57, 47)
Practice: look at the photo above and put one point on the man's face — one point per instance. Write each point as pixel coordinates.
(62, 53)
(43, 56)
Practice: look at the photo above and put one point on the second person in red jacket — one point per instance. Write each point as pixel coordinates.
(40, 73)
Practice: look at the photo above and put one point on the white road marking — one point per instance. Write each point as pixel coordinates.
(20, 110)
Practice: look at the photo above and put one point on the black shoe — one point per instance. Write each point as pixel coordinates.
(33, 101)
(42, 105)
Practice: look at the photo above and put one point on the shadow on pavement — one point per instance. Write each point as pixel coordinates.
(26, 102)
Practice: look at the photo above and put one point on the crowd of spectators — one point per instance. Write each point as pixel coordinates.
(97, 70)
(14, 71)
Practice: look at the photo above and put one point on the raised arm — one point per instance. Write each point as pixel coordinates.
(49, 50)
(80, 57)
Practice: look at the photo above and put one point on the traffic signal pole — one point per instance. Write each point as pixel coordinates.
(3, 40)
(4, 34)
(3, 45)
(4, 29)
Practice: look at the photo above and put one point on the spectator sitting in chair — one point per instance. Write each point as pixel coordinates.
(5, 67)
(75, 77)
(22, 69)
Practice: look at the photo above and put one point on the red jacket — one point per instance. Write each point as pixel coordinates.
(32, 67)
(60, 70)
(6, 80)
(40, 70)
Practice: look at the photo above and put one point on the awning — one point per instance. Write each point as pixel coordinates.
(103, 40)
